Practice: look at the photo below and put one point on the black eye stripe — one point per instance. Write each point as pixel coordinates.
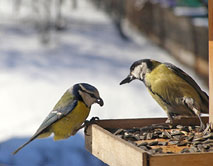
(91, 94)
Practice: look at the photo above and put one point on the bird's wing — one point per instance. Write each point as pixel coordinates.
(53, 116)
(204, 97)
(64, 106)
(56, 114)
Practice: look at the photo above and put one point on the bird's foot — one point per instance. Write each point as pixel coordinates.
(207, 129)
(202, 127)
(87, 123)
(169, 121)
(93, 119)
(170, 118)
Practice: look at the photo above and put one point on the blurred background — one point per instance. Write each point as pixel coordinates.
(46, 46)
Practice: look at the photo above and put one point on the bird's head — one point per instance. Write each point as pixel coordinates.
(87, 93)
(139, 69)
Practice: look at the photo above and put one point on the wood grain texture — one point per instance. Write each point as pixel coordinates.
(195, 159)
(113, 150)
(130, 123)
(116, 151)
(210, 8)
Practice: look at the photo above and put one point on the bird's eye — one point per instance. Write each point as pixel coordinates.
(132, 68)
(89, 93)
(92, 95)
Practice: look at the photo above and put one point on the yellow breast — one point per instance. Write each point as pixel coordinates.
(67, 126)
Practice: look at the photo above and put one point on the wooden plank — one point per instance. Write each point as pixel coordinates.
(130, 123)
(113, 150)
(88, 139)
(116, 151)
(195, 159)
(210, 8)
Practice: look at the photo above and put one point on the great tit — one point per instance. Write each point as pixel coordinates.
(68, 114)
(174, 90)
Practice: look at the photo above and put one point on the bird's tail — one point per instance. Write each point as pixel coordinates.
(205, 103)
(31, 139)
(38, 134)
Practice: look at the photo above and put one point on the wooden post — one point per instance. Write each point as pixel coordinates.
(210, 8)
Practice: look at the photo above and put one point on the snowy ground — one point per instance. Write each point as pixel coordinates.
(33, 77)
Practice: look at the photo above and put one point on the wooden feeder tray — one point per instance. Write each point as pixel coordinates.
(113, 150)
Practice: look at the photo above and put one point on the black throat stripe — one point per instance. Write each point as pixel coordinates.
(158, 95)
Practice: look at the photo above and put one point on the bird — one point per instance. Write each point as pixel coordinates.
(174, 90)
(68, 114)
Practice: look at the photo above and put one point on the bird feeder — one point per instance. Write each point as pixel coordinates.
(104, 142)
(113, 150)
(210, 61)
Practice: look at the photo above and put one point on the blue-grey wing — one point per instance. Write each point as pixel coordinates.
(55, 115)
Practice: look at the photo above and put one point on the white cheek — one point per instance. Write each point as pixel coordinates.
(136, 72)
(88, 100)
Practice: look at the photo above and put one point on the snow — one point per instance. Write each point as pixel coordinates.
(47, 152)
(191, 11)
(33, 77)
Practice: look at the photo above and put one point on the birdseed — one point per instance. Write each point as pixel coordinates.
(167, 139)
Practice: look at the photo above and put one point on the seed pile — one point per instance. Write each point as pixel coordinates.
(164, 138)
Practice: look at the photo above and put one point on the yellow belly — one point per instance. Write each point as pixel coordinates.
(67, 126)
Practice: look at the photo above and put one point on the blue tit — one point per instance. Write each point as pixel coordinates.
(174, 90)
(68, 114)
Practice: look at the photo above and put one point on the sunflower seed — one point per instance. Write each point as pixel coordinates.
(149, 136)
(163, 143)
(143, 144)
(154, 143)
(182, 143)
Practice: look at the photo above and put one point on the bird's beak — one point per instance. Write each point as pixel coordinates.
(128, 79)
(100, 101)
